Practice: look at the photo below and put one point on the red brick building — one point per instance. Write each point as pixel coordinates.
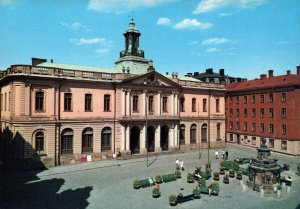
(267, 107)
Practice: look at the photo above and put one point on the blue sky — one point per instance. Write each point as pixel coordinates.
(245, 37)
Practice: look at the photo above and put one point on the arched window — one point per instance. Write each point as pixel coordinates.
(39, 142)
(87, 140)
(218, 131)
(67, 141)
(193, 134)
(182, 134)
(106, 139)
(204, 133)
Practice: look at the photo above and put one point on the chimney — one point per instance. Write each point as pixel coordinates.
(263, 76)
(271, 73)
(221, 72)
(288, 72)
(36, 61)
(196, 73)
(298, 70)
(238, 79)
(209, 71)
(167, 73)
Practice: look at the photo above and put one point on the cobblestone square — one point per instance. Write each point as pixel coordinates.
(107, 184)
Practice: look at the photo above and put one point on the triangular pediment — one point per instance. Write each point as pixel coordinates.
(151, 78)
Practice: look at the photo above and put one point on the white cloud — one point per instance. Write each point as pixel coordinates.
(83, 41)
(215, 41)
(123, 5)
(74, 25)
(102, 51)
(163, 21)
(210, 50)
(210, 5)
(192, 24)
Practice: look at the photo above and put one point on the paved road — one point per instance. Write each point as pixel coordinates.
(108, 185)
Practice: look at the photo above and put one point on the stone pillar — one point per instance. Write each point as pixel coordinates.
(171, 136)
(127, 138)
(172, 104)
(128, 103)
(143, 140)
(157, 139)
(123, 102)
(123, 139)
(176, 135)
(145, 102)
(159, 103)
(176, 104)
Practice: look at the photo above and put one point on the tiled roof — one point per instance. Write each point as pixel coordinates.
(276, 81)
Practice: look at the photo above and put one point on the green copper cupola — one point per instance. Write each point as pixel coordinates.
(132, 35)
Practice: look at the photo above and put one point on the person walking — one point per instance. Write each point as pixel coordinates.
(226, 155)
(223, 154)
(217, 154)
(181, 165)
(177, 164)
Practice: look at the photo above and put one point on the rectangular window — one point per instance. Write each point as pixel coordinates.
(271, 112)
(271, 143)
(194, 105)
(284, 145)
(253, 99)
(230, 100)
(253, 126)
(262, 112)
(245, 112)
(68, 102)
(150, 104)
(283, 129)
(39, 101)
(271, 128)
(217, 105)
(283, 112)
(262, 127)
(135, 104)
(283, 97)
(106, 102)
(245, 126)
(262, 98)
(253, 140)
(246, 139)
(204, 105)
(230, 124)
(245, 99)
(253, 113)
(165, 104)
(238, 100)
(237, 112)
(270, 97)
(182, 104)
(231, 111)
(88, 102)
(237, 126)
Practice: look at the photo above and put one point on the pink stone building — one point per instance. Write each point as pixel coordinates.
(59, 113)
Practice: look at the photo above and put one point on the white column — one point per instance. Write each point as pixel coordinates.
(159, 103)
(123, 102)
(143, 139)
(123, 139)
(171, 136)
(157, 138)
(127, 138)
(176, 135)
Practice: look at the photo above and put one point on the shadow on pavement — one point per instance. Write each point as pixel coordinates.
(21, 188)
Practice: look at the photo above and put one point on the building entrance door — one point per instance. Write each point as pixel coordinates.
(164, 138)
(135, 140)
(150, 138)
(238, 139)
